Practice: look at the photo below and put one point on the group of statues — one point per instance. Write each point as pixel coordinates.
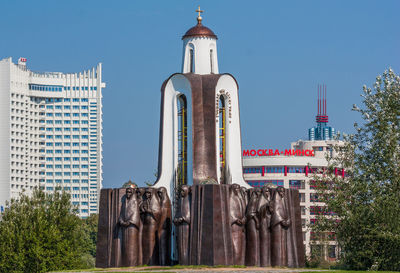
(144, 225)
(259, 221)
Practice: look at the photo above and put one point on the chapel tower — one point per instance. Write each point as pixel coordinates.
(200, 140)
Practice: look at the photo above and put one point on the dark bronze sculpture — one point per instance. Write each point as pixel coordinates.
(211, 221)
(182, 223)
(280, 222)
(129, 222)
(151, 214)
(245, 195)
(252, 227)
(238, 221)
(164, 228)
(264, 213)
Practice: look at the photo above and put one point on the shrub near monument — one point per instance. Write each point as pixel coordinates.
(42, 233)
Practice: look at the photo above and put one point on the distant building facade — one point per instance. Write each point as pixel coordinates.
(51, 133)
(295, 168)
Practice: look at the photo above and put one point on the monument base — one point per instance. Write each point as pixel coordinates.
(214, 225)
(210, 229)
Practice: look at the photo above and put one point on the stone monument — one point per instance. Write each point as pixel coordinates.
(200, 210)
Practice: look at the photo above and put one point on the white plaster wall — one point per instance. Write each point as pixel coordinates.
(176, 85)
(202, 61)
(227, 86)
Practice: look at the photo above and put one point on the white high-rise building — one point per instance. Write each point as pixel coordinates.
(51, 133)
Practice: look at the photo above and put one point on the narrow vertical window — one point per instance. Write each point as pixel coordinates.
(182, 142)
(211, 61)
(222, 137)
(191, 58)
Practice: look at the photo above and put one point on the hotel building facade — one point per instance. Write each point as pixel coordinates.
(51, 133)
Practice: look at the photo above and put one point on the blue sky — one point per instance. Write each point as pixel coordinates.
(279, 51)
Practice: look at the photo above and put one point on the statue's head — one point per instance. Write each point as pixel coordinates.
(235, 188)
(266, 191)
(148, 193)
(281, 191)
(184, 191)
(129, 193)
(255, 192)
(162, 192)
(140, 192)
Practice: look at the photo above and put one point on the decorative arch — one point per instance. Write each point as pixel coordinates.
(213, 63)
(190, 58)
(222, 136)
(182, 170)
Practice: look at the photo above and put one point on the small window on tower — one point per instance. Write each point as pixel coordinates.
(211, 61)
(191, 60)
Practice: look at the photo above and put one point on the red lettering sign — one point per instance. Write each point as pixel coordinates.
(271, 152)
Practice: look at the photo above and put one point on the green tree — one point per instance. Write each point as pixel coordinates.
(90, 229)
(42, 233)
(366, 202)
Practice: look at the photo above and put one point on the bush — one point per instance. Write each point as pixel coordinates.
(42, 233)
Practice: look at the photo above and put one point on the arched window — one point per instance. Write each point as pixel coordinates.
(211, 61)
(191, 59)
(182, 141)
(222, 136)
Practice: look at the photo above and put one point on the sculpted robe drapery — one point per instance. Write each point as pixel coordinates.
(264, 211)
(151, 213)
(237, 222)
(182, 222)
(252, 226)
(279, 224)
(164, 228)
(130, 243)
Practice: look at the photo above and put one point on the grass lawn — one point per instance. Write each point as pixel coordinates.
(206, 268)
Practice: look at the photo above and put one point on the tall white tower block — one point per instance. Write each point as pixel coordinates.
(51, 133)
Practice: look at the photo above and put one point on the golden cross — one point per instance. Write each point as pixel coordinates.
(199, 11)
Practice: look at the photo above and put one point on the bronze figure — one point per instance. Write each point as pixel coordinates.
(252, 227)
(245, 195)
(237, 208)
(279, 225)
(164, 228)
(264, 212)
(151, 213)
(182, 222)
(129, 222)
(204, 227)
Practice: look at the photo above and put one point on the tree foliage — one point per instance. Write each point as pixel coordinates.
(42, 233)
(366, 202)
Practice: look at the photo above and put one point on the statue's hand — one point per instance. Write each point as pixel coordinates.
(124, 224)
(239, 222)
(286, 223)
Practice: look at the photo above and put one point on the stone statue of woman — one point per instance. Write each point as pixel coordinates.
(237, 206)
(151, 214)
(129, 222)
(279, 224)
(164, 228)
(252, 227)
(264, 212)
(182, 223)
